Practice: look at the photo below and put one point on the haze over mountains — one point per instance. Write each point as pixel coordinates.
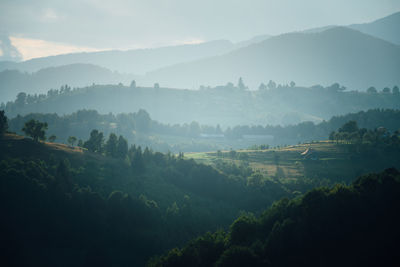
(387, 28)
(317, 56)
(138, 61)
(12, 81)
(226, 147)
(340, 54)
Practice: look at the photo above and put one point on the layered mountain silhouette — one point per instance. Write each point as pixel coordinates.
(137, 61)
(358, 56)
(339, 54)
(387, 28)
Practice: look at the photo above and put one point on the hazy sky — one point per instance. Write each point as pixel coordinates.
(45, 27)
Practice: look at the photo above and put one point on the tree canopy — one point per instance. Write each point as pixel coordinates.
(35, 129)
(3, 123)
(95, 142)
(354, 225)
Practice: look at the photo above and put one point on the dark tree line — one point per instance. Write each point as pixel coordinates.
(351, 133)
(354, 225)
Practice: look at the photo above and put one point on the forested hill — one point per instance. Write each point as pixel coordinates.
(353, 225)
(69, 205)
(110, 203)
(228, 105)
(139, 128)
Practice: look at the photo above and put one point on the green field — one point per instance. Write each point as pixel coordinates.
(338, 162)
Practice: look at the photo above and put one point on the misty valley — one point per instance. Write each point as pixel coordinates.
(276, 150)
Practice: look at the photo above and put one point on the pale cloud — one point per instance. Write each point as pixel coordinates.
(47, 27)
(185, 41)
(191, 41)
(1, 52)
(119, 24)
(34, 48)
(50, 14)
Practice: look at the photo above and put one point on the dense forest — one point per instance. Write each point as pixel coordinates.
(354, 225)
(81, 206)
(105, 203)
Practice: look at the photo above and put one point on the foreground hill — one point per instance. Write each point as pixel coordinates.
(68, 206)
(64, 206)
(353, 225)
(338, 54)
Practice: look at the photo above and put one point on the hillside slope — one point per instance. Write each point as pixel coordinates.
(68, 205)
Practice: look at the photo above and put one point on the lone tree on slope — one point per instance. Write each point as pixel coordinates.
(35, 129)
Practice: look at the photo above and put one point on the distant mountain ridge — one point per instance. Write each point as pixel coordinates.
(314, 56)
(387, 28)
(137, 61)
(134, 61)
(254, 40)
(339, 54)
(349, 57)
(12, 81)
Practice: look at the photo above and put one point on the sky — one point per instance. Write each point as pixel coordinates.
(30, 29)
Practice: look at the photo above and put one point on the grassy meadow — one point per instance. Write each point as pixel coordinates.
(339, 162)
